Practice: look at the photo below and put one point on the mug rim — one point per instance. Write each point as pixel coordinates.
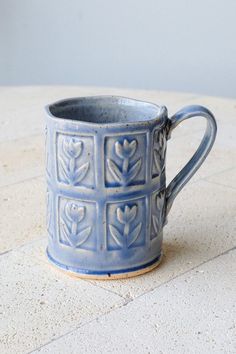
(159, 110)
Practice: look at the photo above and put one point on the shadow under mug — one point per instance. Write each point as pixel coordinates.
(107, 199)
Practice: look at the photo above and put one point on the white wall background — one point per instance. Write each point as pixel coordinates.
(184, 45)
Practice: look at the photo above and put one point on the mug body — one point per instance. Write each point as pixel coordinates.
(105, 166)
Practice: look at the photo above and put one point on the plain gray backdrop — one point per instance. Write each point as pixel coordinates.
(182, 45)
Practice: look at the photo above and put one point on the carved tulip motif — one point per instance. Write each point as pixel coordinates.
(74, 213)
(49, 213)
(72, 149)
(126, 150)
(72, 217)
(158, 214)
(130, 234)
(159, 152)
(47, 152)
(125, 173)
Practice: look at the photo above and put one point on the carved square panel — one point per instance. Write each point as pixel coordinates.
(125, 160)
(126, 224)
(49, 213)
(158, 152)
(77, 223)
(47, 147)
(157, 213)
(75, 160)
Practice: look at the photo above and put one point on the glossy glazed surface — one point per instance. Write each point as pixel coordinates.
(106, 195)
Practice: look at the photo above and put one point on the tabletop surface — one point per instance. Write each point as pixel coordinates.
(186, 305)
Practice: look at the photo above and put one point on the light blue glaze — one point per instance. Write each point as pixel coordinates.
(107, 199)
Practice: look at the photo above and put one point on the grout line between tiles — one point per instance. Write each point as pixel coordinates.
(21, 246)
(93, 282)
(218, 184)
(126, 302)
(205, 179)
(108, 290)
(185, 272)
(46, 262)
(75, 329)
(21, 181)
(16, 139)
(220, 172)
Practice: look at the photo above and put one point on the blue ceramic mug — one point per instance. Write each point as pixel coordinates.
(107, 199)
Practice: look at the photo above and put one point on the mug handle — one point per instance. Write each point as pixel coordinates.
(198, 158)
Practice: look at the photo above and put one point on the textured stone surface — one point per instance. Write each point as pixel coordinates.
(224, 108)
(177, 307)
(38, 304)
(195, 313)
(21, 159)
(181, 149)
(22, 211)
(226, 178)
(202, 224)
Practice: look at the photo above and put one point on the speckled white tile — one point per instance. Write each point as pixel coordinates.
(38, 304)
(194, 313)
(202, 225)
(22, 210)
(180, 150)
(21, 159)
(226, 178)
(188, 127)
(226, 135)
(223, 108)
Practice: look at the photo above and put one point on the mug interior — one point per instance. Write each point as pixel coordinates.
(104, 109)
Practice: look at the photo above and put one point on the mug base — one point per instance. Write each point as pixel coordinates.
(106, 275)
